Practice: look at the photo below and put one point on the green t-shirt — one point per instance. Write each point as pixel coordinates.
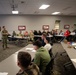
(42, 58)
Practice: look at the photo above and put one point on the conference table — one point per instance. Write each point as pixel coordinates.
(70, 51)
(9, 65)
(36, 37)
(18, 37)
(19, 40)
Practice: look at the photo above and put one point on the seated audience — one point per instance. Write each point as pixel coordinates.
(13, 34)
(43, 31)
(35, 32)
(48, 45)
(67, 33)
(56, 32)
(26, 33)
(26, 67)
(42, 57)
(31, 35)
(20, 33)
(52, 32)
(61, 33)
(44, 35)
(39, 32)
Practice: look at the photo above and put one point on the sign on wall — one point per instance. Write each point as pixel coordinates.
(45, 27)
(66, 26)
(20, 28)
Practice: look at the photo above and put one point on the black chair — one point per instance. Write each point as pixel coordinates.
(69, 68)
(63, 53)
(51, 43)
(50, 52)
(49, 67)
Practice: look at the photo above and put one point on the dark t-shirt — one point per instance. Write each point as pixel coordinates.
(43, 43)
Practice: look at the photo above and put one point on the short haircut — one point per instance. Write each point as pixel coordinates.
(3, 27)
(24, 58)
(44, 34)
(48, 39)
(37, 43)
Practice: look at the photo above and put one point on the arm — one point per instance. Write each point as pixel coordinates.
(4, 33)
(37, 59)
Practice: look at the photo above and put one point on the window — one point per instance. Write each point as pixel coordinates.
(57, 24)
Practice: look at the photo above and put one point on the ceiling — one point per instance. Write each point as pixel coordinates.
(66, 7)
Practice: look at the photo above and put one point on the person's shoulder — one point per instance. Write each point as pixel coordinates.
(34, 69)
(35, 66)
(48, 44)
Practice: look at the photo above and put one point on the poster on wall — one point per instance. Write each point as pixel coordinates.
(66, 26)
(21, 28)
(45, 27)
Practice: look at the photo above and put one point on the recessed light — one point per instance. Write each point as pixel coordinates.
(44, 6)
(55, 13)
(15, 12)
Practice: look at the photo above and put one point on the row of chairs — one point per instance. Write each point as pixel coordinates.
(49, 67)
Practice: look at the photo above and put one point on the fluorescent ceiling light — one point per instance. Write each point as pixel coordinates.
(44, 6)
(55, 13)
(15, 12)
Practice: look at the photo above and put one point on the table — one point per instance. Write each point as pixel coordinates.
(71, 53)
(17, 37)
(36, 37)
(19, 40)
(10, 64)
(58, 38)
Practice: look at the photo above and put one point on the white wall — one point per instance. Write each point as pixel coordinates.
(34, 22)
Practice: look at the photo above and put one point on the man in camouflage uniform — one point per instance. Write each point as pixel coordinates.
(24, 62)
(4, 37)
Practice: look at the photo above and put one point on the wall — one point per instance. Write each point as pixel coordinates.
(34, 22)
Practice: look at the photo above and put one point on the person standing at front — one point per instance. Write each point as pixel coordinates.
(4, 37)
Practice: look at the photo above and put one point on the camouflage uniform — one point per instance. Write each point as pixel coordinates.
(4, 38)
(31, 70)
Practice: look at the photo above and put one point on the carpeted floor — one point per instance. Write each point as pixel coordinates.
(6, 53)
(59, 60)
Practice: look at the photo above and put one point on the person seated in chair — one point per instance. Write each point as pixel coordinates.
(42, 57)
(44, 35)
(13, 34)
(61, 32)
(24, 62)
(48, 45)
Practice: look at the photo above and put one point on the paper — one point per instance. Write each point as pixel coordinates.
(74, 60)
(33, 50)
(3, 73)
(29, 49)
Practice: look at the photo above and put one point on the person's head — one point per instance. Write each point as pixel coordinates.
(61, 31)
(24, 59)
(47, 40)
(44, 35)
(37, 44)
(3, 27)
(13, 31)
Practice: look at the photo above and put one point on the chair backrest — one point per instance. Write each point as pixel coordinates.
(50, 52)
(49, 67)
(51, 43)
